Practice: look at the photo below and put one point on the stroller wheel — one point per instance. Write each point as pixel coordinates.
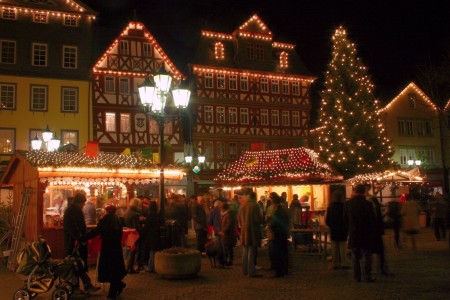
(22, 294)
(68, 286)
(60, 294)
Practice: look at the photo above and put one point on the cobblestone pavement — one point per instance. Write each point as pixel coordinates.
(417, 274)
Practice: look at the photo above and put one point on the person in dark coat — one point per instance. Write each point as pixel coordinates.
(378, 245)
(359, 216)
(295, 212)
(152, 234)
(132, 220)
(111, 267)
(395, 216)
(227, 234)
(278, 245)
(74, 229)
(199, 217)
(338, 230)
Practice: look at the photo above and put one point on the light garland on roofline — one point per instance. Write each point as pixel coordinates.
(50, 12)
(417, 90)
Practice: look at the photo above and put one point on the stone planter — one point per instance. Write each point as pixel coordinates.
(178, 263)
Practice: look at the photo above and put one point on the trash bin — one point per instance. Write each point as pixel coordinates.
(172, 235)
(423, 219)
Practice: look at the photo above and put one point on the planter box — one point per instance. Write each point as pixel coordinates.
(178, 263)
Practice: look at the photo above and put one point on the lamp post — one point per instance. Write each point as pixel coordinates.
(197, 160)
(51, 142)
(412, 162)
(154, 96)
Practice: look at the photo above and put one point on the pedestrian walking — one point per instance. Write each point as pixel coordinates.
(200, 226)
(439, 217)
(378, 245)
(278, 244)
(152, 234)
(394, 209)
(410, 213)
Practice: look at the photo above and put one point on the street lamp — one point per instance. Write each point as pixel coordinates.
(412, 162)
(51, 142)
(154, 96)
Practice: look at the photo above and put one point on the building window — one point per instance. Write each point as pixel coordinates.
(264, 85)
(125, 123)
(233, 82)
(259, 52)
(147, 49)
(123, 48)
(69, 137)
(232, 115)
(154, 127)
(9, 13)
(110, 122)
(124, 86)
(221, 81)
(409, 128)
(39, 98)
(412, 100)
(8, 52)
(295, 88)
(7, 140)
(244, 116)
(285, 118)
(255, 52)
(285, 87)
(219, 51)
(296, 119)
(40, 17)
(245, 147)
(70, 57)
(284, 60)
(209, 80)
(264, 117)
(70, 21)
(405, 127)
(109, 85)
(220, 114)
(275, 87)
(424, 128)
(407, 154)
(7, 96)
(426, 156)
(232, 151)
(244, 83)
(275, 117)
(209, 114)
(69, 99)
(39, 55)
(221, 150)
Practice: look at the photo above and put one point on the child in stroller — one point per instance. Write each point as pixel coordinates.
(43, 273)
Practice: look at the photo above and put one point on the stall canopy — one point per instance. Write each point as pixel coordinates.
(390, 177)
(292, 166)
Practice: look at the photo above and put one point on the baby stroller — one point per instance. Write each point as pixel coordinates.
(43, 273)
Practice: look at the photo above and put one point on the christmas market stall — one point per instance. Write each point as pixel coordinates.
(54, 177)
(294, 171)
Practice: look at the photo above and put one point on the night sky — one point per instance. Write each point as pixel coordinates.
(392, 37)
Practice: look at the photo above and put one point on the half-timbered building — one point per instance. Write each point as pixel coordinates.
(251, 92)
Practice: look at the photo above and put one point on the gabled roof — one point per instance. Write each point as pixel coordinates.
(137, 30)
(277, 167)
(63, 6)
(447, 106)
(411, 86)
(254, 25)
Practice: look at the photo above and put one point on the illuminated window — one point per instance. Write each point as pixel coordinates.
(209, 80)
(9, 13)
(7, 140)
(110, 122)
(209, 114)
(123, 47)
(69, 99)
(244, 116)
(39, 17)
(220, 114)
(232, 115)
(264, 85)
(233, 82)
(69, 137)
(109, 84)
(407, 154)
(147, 49)
(39, 98)
(275, 87)
(296, 118)
(219, 51)
(124, 86)
(7, 96)
(39, 58)
(125, 125)
(283, 60)
(295, 88)
(221, 81)
(285, 118)
(275, 117)
(244, 83)
(426, 155)
(264, 117)
(70, 55)
(70, 21)
(8, 52)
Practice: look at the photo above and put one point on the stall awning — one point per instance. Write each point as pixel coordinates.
(274, 167)
(414, 175)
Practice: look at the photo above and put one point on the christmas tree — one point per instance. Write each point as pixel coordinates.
(352, 137)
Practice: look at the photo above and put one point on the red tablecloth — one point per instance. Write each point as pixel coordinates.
(129, 238)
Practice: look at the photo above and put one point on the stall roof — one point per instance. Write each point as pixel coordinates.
(76, 166)
(277, 167)
(391, 176)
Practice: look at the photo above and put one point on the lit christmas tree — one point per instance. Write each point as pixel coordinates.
(351, 137)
